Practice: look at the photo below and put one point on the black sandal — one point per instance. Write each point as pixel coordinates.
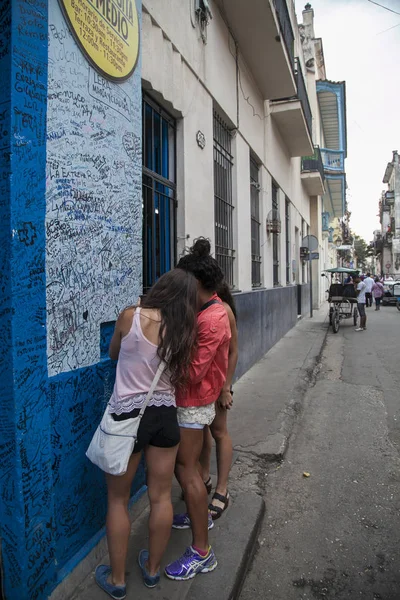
(208, 485)
(216, 509)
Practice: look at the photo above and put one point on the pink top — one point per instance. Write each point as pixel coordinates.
(137, 365)
(378, 289)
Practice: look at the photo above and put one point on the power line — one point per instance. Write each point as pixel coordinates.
(385, 7)
(385, 30)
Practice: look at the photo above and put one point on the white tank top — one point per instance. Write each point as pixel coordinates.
(137, 365)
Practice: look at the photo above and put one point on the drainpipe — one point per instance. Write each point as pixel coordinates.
(237, 84)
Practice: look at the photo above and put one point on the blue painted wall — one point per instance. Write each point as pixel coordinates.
(61, 139)
(8, 487)
(264, 317)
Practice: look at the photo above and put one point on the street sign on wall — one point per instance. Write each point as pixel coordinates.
(310, 242)
(107, 33)
(304, 253)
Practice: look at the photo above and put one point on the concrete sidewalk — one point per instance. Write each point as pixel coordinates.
(268, 397)
(266, 401)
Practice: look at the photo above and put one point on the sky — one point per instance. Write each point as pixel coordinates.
(358, 50)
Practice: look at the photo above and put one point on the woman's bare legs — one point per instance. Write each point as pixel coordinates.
(187, 473)
(160, 471)
(118, 525)
(205, 456)
(219, 431)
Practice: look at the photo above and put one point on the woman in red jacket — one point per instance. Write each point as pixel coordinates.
(196, 409)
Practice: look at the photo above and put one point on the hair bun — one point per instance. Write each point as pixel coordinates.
(201, 247)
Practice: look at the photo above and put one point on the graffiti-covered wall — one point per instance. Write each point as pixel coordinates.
(93, 207)
(70, 237)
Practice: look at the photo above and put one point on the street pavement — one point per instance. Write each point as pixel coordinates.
(336, 533)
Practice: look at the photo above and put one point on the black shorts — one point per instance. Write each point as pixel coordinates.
(158, 427)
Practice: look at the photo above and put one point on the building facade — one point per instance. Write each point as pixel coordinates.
(230, 130)
(387, 240)
(324, 173)
(254, 155)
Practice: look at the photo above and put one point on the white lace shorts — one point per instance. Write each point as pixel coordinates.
(196, 417)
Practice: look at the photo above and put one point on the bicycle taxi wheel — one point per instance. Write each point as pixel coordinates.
(335, 319)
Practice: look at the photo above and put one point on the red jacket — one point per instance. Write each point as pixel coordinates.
(210, 363)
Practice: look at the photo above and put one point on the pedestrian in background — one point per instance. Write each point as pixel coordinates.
(369, 282)
(378, 292)
(163, 328)
(348, 280)
(361, 289)
(219, 427)
(196, 409)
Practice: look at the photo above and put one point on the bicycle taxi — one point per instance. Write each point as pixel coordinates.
(342, 297)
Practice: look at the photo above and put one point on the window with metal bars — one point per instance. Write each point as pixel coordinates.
(287, 240)
(255, 224)
(223, 204)
(275, 238)
(159, 192)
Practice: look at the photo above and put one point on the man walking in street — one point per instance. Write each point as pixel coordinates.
(361, 290)
(369, 282)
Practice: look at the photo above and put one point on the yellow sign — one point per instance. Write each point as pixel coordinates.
(107, 32)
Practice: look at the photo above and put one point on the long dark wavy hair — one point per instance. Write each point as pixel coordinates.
(203, 266)
(175, 296)
(224, 292)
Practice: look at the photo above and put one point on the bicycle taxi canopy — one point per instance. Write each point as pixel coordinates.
(343, 270)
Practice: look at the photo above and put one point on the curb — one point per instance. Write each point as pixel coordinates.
(235, 545)
(233, 538)
(308, 376)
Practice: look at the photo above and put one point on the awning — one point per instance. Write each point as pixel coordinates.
(335, 195)
(332, 106)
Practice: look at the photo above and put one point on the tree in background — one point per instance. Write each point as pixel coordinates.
(363, 251)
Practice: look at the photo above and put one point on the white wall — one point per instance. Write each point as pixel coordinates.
(194, 79)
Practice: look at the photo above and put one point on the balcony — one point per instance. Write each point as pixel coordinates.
(378, 246)
(332, 105)
(388, 239)
(293, 118)
(335, 194)
(265, 36)
(389, 197)
(333, 160)
(325, 222)
(312, 173)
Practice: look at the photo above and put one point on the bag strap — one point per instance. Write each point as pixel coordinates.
(209, 303)
(150, 393)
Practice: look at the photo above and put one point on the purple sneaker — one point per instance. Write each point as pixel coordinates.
(190, 564)
(182, 521)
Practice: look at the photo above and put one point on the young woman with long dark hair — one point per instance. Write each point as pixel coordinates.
(163, 328)
(196, 409)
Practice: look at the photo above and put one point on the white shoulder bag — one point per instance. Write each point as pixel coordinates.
(113, 441)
